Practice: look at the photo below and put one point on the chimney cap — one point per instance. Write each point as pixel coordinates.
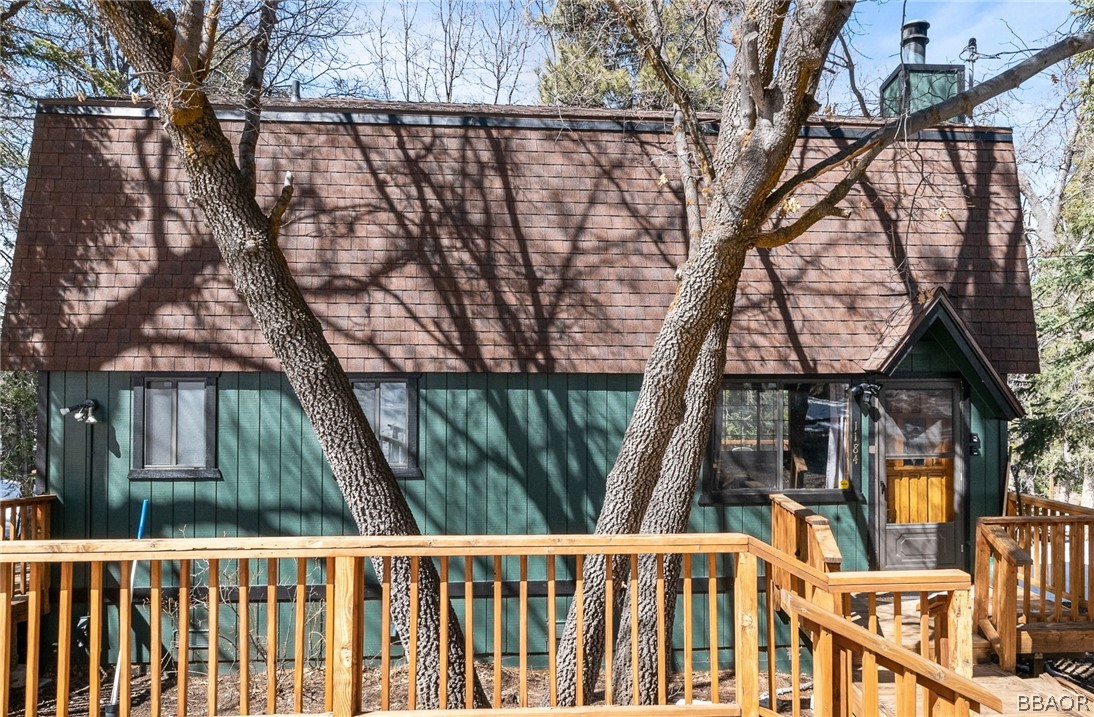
(913, 42)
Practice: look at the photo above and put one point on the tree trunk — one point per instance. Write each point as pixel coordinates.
(247, 240)
(760, 123)
(668, 513)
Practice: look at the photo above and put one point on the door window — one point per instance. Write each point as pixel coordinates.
(919, 455)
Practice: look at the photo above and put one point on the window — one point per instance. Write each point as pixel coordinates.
(174, 428)
(780, 436)
(391, 407)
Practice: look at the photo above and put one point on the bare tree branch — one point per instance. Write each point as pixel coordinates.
(12, 10)
(849, 65)
(209, 38)
(653, 51)
(825, 207)
(691, 184)
(960, 104)
(252, 92)
(277, 214)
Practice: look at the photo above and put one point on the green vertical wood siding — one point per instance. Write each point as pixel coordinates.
(499, 454)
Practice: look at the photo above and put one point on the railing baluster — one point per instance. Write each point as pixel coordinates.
(905, 693)
(155, 634)
(498, 636)
(769, 607)
(125, 639)
(1026, 531)
(634, 599)
(243, 635)
(1058, 567)
(795, 665)
(523, 694)
(924, 626)
(385, 635)
(898, 619)
(712, 625)
(609, 604)
(7, 587)
(64, 640)
(662, 638)
(271, 635)
(552, 617)
(412, 641)
(469, 631)
(213, 649)
(442, 687)
(579, 613)
(869, 685)
(1075, 581)
(300, 622)
(183, 665)
(1045, 529)
(687, 628)
(328, 700)
(34, 631)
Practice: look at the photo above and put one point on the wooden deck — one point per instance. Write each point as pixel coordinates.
(1021, 697)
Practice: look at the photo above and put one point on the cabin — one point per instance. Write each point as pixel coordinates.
(492, 280)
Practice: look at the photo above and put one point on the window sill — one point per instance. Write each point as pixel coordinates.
(192, 474)
(414, 473)
(805, 496)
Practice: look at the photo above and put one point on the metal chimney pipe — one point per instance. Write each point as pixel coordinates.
(913, 42)
(296, 90)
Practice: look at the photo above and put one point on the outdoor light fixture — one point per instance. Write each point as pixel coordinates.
(83, 412)
(865, 390)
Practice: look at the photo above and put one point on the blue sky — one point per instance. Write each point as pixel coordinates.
(1004, 32)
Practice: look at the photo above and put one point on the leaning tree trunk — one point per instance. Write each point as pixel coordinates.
(760, 123)
(247, 239)
(667, 514)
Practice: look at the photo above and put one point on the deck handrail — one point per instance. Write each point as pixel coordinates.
(24, 521)
(1040, 506)
(912, 671)
(241, 577)
(1036, 566)
(801, 532)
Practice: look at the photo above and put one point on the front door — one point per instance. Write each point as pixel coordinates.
(922, 482)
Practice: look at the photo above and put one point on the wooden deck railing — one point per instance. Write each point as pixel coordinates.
(1033, 569)
(1037, 506)
(23, 519)
(883, 606)
(249, 593)
(798, 531)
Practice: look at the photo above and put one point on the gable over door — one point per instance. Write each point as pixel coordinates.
(921, 477)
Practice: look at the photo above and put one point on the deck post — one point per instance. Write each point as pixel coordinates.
(980, 576)
(347, 663)
(746, 645)
(959, 627)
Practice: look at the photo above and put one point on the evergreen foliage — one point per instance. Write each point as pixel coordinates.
(597, 63)
(1054, 444)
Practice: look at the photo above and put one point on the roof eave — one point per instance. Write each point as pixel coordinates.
(941, 309)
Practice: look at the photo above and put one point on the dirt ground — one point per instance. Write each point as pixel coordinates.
(228, 692)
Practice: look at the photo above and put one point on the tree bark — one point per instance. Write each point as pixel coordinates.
(247, 240)
(753, 146)
(668, 513)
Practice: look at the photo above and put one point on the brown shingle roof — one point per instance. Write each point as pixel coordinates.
(433, 238)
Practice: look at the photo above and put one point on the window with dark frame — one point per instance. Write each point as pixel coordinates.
(391, 407)
(174, 428)
(779, 436)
